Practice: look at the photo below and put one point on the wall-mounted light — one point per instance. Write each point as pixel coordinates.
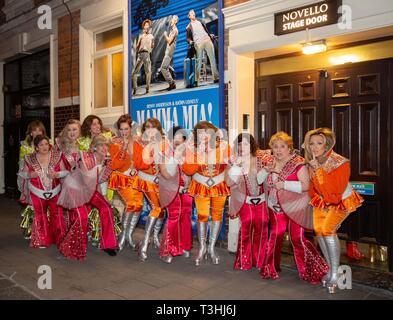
(343, 59)
(314, 47)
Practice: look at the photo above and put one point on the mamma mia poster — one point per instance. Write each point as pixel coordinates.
(176, 62)
(176, 65)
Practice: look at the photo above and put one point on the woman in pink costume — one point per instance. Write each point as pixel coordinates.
(39, 183)
(287, 183)
(85, 187)
(177, 234)
(248, 202)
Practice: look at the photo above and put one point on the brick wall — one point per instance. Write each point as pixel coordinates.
(63, 114)
(64, 55)
(68, 71)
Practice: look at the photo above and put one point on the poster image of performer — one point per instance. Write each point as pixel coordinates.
(174, 46)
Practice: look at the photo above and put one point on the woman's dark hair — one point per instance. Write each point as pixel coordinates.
(251, 140)
(86, 125)
(39, 138)
(125, 118)
(204, 125)
(175, 131)
(156, 124)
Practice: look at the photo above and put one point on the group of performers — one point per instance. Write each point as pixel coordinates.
(270, 191)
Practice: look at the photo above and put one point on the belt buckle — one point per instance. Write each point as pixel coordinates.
(156, 180)
(47, 195)
(133, 172)
(210, 182)
(277, 208)
(255, 201)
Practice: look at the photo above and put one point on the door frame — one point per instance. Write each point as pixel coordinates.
(324, 114)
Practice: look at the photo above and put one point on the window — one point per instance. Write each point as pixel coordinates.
(108, 69)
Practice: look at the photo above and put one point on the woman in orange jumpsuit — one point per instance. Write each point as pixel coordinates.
(331, 196)
(206, 160)
(123, 176)
(147, 155)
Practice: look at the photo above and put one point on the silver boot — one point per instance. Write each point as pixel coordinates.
(156, 232)
(202, 235)
(186, 254)
(215, 228)
(144, 244)
(131, 228)
(322, 245)
(333, 247)
(125, 221)
(167, 259)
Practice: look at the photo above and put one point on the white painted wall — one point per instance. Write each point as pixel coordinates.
(252, 24)
(251, 29)
(94, 17)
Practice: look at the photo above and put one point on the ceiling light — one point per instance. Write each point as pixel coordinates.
(314, 47)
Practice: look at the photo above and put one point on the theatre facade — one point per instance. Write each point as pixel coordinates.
(297, 65)
(290, 65)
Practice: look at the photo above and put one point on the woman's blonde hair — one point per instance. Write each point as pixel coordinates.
(328, 136)
(99, 140)
(283, 136)
(63, 136)
(35, 124)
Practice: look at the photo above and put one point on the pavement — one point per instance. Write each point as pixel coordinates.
(124, 277)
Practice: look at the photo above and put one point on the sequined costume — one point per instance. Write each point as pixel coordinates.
(145, 161)
(122, 180)
(42, 193)
(311, 266)
(90, 177)
(177, 234)
(333, 200)
(210, 193)
(72, 158)
(248, 202)
(84, 142)
(28, 212)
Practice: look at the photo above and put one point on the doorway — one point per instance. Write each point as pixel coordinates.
(354, 100)
(26, 98)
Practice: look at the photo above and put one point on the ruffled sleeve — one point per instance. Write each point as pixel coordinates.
(120, 158)
(84, 143)
(332, 185)
(190, 168)
(22, 181)
(190, 165)
(24, 151)
(138, 157)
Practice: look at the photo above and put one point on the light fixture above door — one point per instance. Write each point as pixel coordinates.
(314, 47)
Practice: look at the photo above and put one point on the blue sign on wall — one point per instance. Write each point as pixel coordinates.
(183, 109)
(364, 188)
